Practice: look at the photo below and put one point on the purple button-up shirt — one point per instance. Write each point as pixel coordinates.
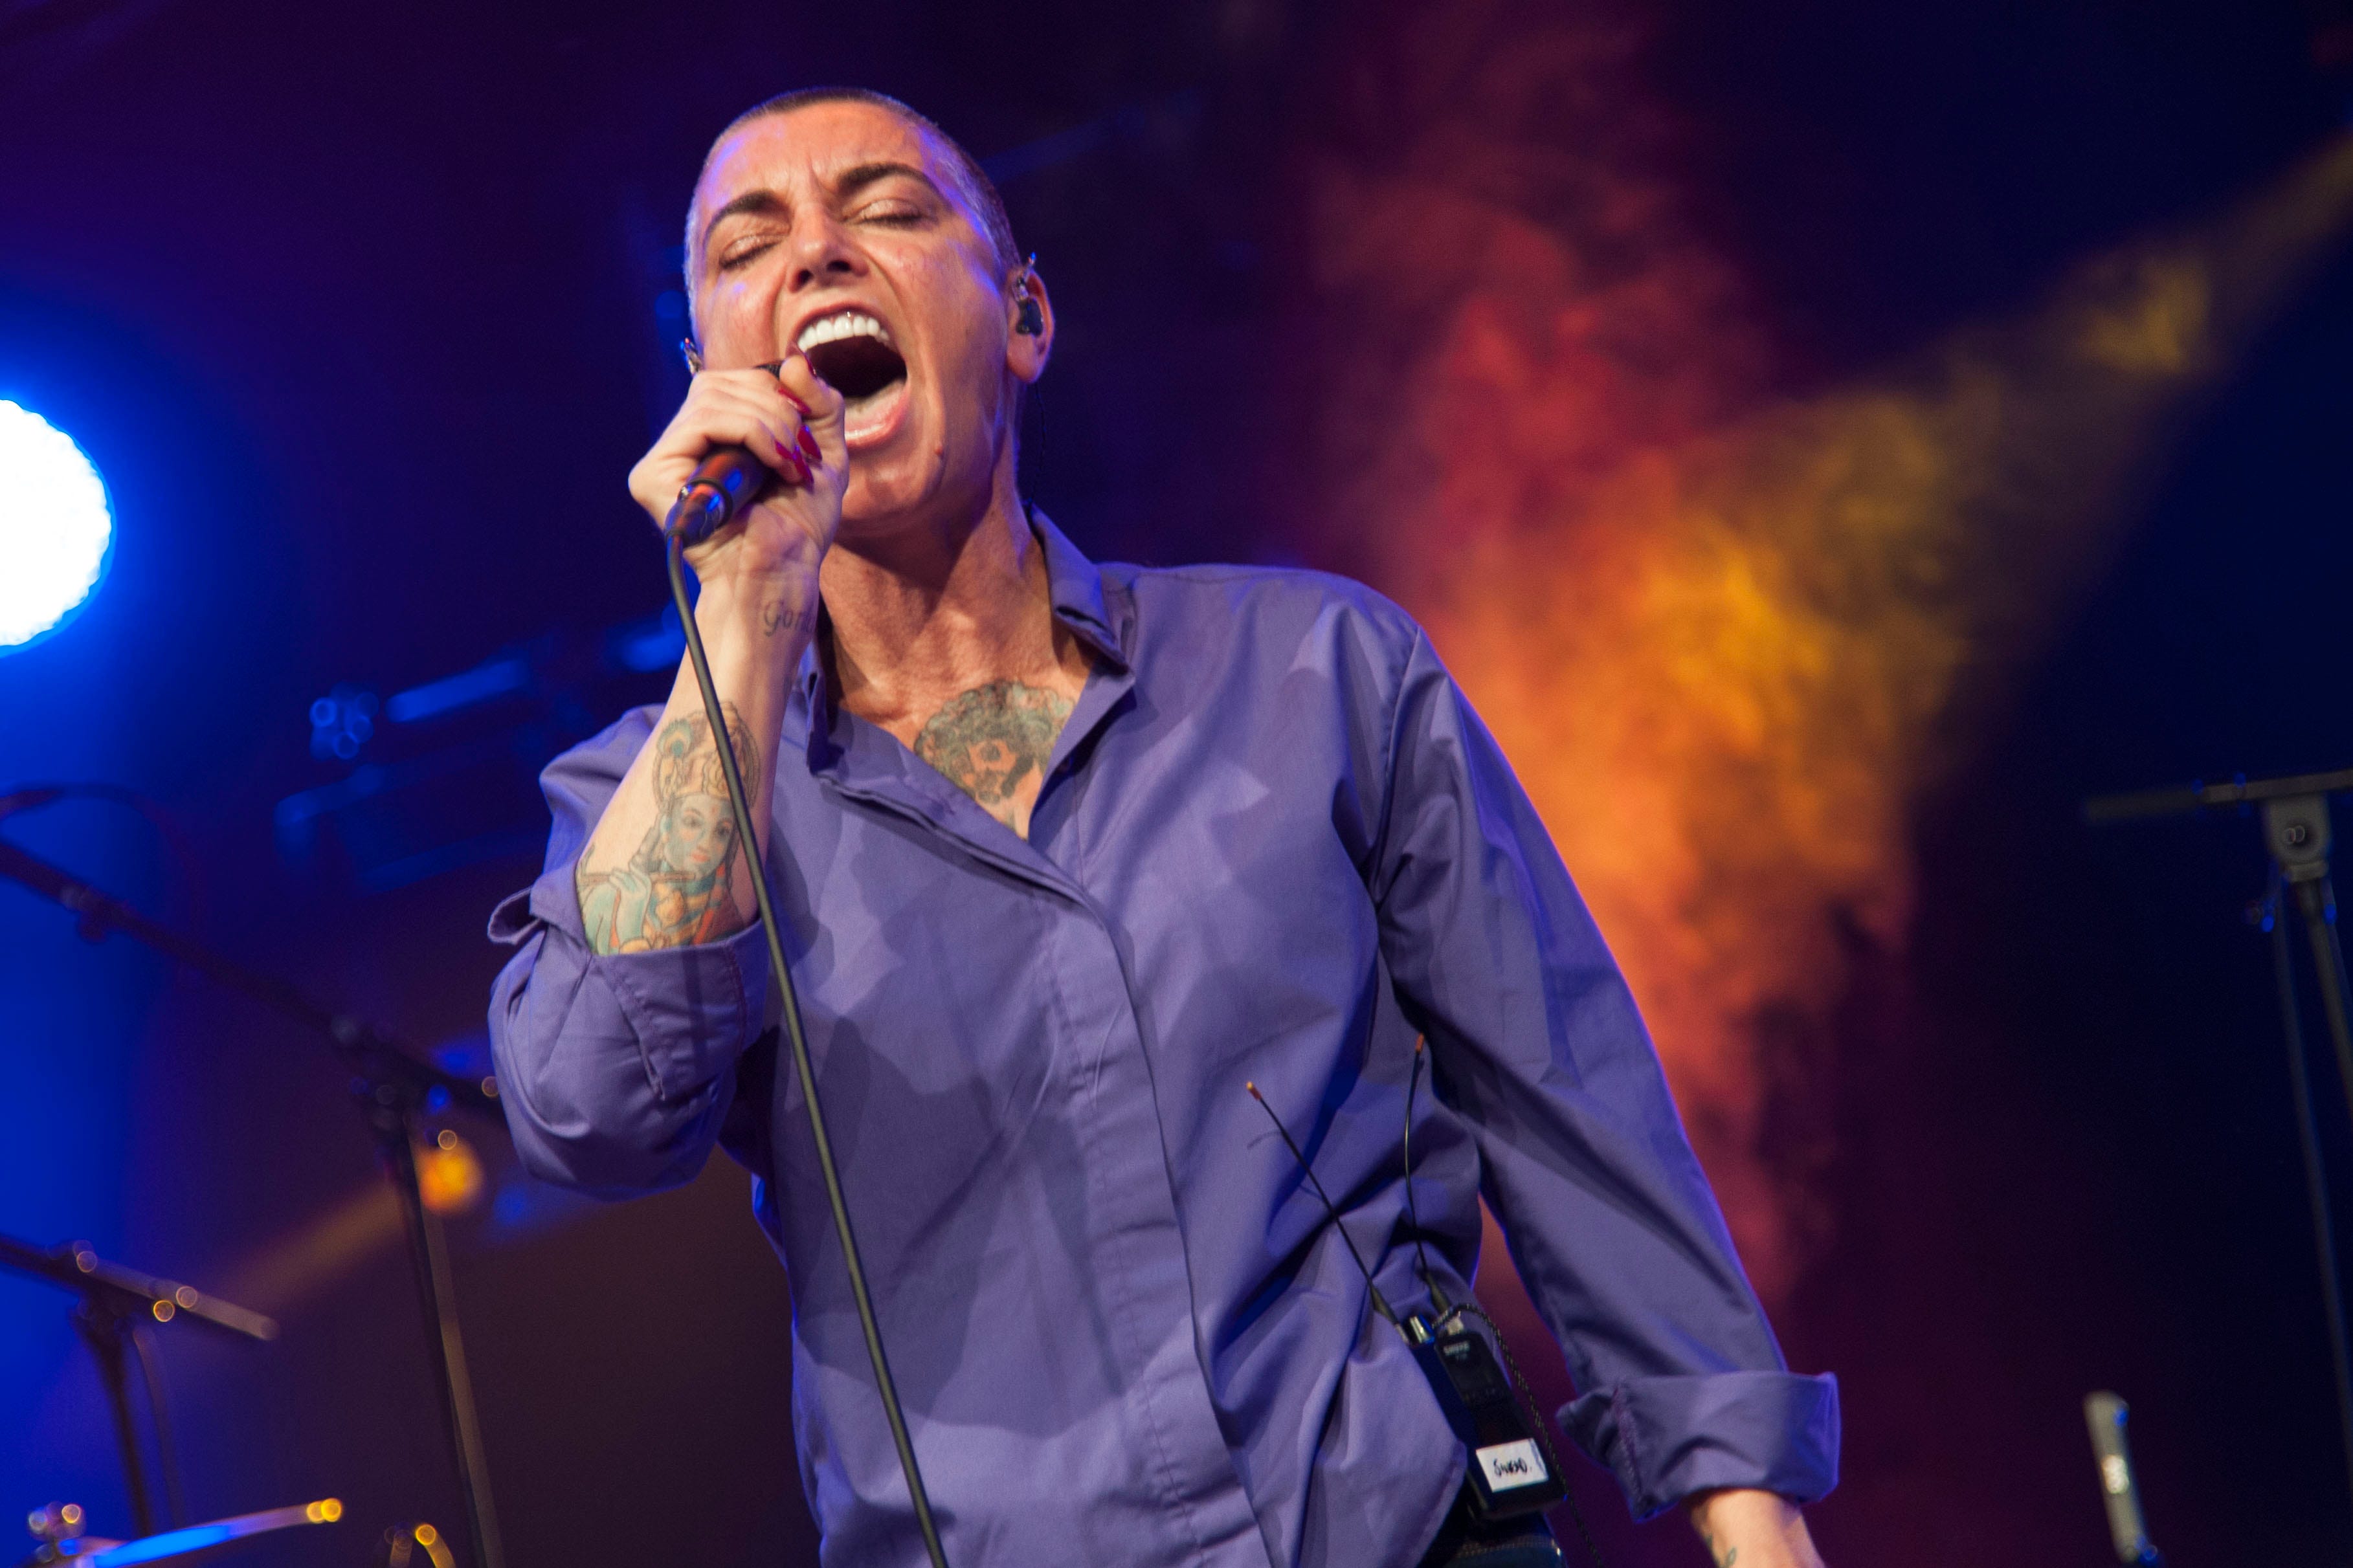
(1273, 844)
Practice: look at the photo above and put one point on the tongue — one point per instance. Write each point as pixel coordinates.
(857, 367)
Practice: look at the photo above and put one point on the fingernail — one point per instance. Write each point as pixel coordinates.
(810, 448)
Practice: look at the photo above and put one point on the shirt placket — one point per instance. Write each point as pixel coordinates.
(1140, 1249)
(1202, 1513)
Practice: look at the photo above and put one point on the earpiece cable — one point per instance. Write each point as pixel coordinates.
(1308, 1171)
(1472, 1309)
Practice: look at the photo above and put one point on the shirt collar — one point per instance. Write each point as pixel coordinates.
(1074, 586)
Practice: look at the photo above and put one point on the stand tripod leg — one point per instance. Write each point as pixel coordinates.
(103, 1331)
(167, 1453)
(431, 1267)
(2318, 901)
(2316, 1181)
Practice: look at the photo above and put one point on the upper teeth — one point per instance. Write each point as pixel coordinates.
(842, 324)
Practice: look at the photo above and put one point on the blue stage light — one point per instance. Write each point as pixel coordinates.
(57, 532)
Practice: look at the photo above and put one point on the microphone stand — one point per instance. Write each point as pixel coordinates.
(394, 1089)
(113, 1299)
(2295, 813)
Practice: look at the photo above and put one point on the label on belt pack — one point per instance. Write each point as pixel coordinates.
(1510, 1465)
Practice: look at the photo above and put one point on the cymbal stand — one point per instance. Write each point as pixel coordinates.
(2295, 812)
(106, 1331)
(114, 1301)
(397, 1089)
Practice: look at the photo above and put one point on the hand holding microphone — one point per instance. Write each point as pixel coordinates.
(762, 447)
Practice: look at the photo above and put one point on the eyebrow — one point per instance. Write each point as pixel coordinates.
(851, 181)
(847, 184)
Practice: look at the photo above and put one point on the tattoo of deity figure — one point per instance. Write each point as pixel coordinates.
(678, 890)
(990, 738)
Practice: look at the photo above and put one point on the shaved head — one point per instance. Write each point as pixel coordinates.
(973, 184)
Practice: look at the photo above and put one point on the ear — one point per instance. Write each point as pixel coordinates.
(1028, 323)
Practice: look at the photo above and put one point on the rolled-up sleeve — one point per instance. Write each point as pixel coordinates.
(617, 1070)
(1535, 1042)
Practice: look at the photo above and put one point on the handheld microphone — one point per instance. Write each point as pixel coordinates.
(723, 484)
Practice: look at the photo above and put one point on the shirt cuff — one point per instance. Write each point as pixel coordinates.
(1668, 1437)
(692, 1010)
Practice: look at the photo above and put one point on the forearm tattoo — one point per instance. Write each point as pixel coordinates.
(678, 889)
(990, 738)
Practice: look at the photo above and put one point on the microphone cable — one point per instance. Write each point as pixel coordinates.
(680, 523)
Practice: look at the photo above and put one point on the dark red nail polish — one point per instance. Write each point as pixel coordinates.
(810, 448)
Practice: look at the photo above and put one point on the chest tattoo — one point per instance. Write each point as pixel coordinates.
(992, 739)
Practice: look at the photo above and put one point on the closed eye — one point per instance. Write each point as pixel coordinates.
(743, 253)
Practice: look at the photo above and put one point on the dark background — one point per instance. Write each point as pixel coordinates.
(364, 313)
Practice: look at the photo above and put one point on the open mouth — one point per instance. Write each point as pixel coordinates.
(853, 353)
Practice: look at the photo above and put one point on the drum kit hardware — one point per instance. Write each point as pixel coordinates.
(115, 1302)
(397, 1092)
(59, 1528)
(414, 1546)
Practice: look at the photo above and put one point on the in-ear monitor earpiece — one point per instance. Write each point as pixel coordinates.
(1030, 320)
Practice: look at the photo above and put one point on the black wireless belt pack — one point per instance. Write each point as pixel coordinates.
(1508, 1476)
